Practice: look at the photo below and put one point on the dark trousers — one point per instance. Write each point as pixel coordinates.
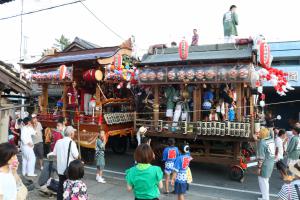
(147, 199)
(60, 191)
(72, 110)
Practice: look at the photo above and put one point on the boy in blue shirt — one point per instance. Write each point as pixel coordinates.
(179, 179)
(169, 156)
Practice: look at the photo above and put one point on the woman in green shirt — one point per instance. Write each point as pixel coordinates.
(144, 179)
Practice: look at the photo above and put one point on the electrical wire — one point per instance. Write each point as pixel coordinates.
(21, 32)
(144, 113)
(99, 20)
(40, 10)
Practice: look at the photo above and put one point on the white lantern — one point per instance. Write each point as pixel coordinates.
(262, 104)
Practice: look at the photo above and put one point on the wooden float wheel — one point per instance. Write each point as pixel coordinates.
(237, 173)
(119, 144)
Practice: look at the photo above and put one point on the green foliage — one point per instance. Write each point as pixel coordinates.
(62, 43)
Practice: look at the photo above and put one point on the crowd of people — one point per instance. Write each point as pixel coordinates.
(145, 180)
(280, 148)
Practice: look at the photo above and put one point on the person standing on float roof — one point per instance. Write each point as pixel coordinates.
(230, 21)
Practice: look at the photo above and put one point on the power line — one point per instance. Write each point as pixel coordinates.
(110, 29)
(21, 32)
(40, 10)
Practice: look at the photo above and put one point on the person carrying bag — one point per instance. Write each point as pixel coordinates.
(65, 148)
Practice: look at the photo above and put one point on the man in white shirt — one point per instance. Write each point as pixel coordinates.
(28, 156)
(61, 151)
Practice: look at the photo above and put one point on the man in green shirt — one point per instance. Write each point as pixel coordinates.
(230, 21)
(293, 148)
(266, 160)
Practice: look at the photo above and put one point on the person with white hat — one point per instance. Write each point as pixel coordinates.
(140, 134)
(66, 151)
(291, 190)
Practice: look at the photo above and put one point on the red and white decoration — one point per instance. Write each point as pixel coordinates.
(275, 76)
(183, 50)
(118, 61)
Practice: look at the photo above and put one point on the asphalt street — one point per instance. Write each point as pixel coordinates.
(208, 180)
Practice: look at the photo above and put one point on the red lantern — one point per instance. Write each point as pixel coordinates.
(264, 54)
(183, 50)
(100, 120)
(62, 72)
(118, 61)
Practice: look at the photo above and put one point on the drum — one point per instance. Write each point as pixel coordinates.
(92, 75)
(98, 75)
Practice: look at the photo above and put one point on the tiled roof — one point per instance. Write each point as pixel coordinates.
(200, 53)
(11, 80)
(83, 44)
(74, 56)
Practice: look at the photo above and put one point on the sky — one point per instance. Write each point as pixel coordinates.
(151, 22)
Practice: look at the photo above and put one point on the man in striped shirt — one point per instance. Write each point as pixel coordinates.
(291, 191)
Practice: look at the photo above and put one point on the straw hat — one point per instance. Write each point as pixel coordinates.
(295, 168)
(264, 133)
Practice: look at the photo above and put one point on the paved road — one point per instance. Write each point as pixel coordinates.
(211, 182)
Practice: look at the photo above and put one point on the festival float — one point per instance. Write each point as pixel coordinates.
(209, 96)
(104, 100)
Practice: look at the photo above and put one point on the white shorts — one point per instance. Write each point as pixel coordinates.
(169, 113)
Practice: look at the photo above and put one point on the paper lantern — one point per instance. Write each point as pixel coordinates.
(62, 72)
(210, 74)
(200, 74)
(243, 73)
(183, 50)
(143, 76)
(151, 76)
(181, 75)
(118, 61)
(172, 75)
(190, 74)
(264, 54)
(262, 104)
(233, 73)
(223, 74)
(160, 76)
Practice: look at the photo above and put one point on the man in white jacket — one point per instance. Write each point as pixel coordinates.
(28, 156)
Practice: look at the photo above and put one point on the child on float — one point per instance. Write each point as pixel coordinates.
(180, 175)
(170, 154)
(100, 159)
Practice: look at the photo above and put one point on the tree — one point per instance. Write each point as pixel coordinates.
(62, 43)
